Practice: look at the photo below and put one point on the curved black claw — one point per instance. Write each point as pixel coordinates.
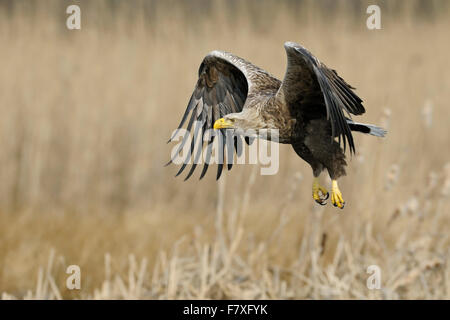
(327, 196)
(322, 202)
(343, 205)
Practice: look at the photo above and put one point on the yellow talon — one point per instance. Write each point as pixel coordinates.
(336, 195)
(320, 194)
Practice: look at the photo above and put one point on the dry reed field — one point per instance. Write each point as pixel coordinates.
(85, 116)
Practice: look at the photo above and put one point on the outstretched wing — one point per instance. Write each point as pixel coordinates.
(312, 90)
(224, 82)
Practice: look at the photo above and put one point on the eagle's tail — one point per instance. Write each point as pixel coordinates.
(366, 128)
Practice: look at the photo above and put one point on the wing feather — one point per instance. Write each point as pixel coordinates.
(222, 87)
(305, 77)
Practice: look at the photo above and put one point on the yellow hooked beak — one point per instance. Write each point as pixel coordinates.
(222, 124)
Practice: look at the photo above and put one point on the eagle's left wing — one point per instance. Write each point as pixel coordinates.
(312, 90)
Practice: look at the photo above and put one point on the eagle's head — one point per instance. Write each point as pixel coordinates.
(248, 119)
(248, 123)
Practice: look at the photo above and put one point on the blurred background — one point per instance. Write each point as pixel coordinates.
(85, 116)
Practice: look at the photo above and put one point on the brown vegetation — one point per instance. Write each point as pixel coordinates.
(84, 120)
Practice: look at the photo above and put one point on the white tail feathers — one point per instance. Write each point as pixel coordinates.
(367, 128)
(376, 131)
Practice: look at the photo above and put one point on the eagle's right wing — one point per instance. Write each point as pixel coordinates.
(224, 83)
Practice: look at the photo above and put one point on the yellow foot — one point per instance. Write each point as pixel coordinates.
(336, 195)
(320, 194)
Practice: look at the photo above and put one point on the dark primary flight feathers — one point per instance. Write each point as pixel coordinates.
(227, 84)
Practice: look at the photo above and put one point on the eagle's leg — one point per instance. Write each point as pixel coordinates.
(336, 169)
(320, 194)
(336, 195)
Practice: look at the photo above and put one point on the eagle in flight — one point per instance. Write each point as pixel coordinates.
(310, 108)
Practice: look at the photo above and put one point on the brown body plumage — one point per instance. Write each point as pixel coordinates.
(307, 108)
